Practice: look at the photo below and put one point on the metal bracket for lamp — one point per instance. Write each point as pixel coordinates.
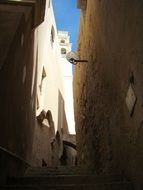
(72, 58)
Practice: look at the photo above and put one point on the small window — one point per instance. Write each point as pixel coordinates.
(52, 37)
(63, 51)
(42, 78)
(43, 73)
(62, 41)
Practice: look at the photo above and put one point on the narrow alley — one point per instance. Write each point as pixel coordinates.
(65, 127)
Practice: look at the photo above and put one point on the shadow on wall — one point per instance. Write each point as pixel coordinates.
(17, 113)
(68, 154)
(62, 120)
(43, 144)
(48, 145)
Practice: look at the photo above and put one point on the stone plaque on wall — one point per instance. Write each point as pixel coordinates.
(131, 100)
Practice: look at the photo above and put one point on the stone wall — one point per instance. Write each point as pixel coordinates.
(109, 138)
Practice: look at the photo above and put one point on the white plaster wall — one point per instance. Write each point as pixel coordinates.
(68, 93)
(48, 57)
(67, 77)
(69, 103)
(58, 72)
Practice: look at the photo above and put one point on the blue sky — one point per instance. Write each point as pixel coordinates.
(67, 18)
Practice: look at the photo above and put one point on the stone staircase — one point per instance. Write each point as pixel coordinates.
(66, 178)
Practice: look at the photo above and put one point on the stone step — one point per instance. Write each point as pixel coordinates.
(64, 170)
(109, 186)
(58, 171)
(65, 179)
(60, 168)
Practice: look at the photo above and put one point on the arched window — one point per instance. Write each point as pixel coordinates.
(52, 37)
(58, 138)
(63, 51)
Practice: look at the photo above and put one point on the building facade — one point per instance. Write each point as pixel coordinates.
(32, 116)
(54, 88)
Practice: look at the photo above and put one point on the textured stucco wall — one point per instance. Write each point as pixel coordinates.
(111, 38)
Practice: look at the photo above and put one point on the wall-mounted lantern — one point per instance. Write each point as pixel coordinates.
(73, 58)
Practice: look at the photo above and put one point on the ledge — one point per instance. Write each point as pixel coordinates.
(19, 2)
(82, 4)
(38, 8)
